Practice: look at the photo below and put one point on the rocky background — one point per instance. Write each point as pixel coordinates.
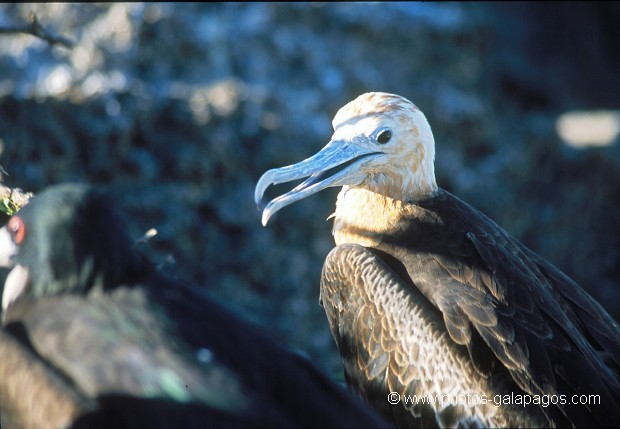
(178, 110)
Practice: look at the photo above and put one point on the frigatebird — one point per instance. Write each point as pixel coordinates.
(442, 317)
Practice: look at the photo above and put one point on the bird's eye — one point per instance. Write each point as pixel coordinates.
(17, 229)
(384, 136)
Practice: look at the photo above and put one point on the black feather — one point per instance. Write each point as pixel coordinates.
(150, 350)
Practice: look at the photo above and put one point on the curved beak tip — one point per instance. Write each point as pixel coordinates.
(258, 202)
(337, 154)
(261, 186)
(267, 213)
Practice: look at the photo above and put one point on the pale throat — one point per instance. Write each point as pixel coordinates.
(364, 216)
(378, 204)
(402, 184)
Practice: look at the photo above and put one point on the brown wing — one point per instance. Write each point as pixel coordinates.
(515, 315)
(392, 339)
(602, 331)
(117, 342)
(480, 277)
(171, 357)
(31, 394)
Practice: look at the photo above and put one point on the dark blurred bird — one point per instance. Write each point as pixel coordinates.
(427, 296)
(149, 351)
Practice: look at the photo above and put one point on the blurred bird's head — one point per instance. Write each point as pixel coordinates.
(382, 143)
(68, 238)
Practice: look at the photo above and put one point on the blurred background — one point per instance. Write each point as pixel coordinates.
(178, 109)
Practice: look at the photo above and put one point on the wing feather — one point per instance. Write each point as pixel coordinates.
(450, 268)
(423, 358)
(528, 312)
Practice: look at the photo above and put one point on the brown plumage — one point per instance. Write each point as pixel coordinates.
(425, 295)
(27, 380)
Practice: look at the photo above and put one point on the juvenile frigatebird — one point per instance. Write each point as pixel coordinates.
(147, 350)
(443, 318)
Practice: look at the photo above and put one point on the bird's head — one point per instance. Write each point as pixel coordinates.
(382, 143)
(68, 238)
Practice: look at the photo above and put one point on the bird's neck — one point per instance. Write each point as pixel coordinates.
(411, 179)
(363, 216)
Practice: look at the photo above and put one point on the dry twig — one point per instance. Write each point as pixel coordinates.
(35, 28)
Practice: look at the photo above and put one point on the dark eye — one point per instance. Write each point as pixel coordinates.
(384, 136)
(17, 229)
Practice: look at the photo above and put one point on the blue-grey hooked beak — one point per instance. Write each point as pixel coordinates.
(337, 153)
